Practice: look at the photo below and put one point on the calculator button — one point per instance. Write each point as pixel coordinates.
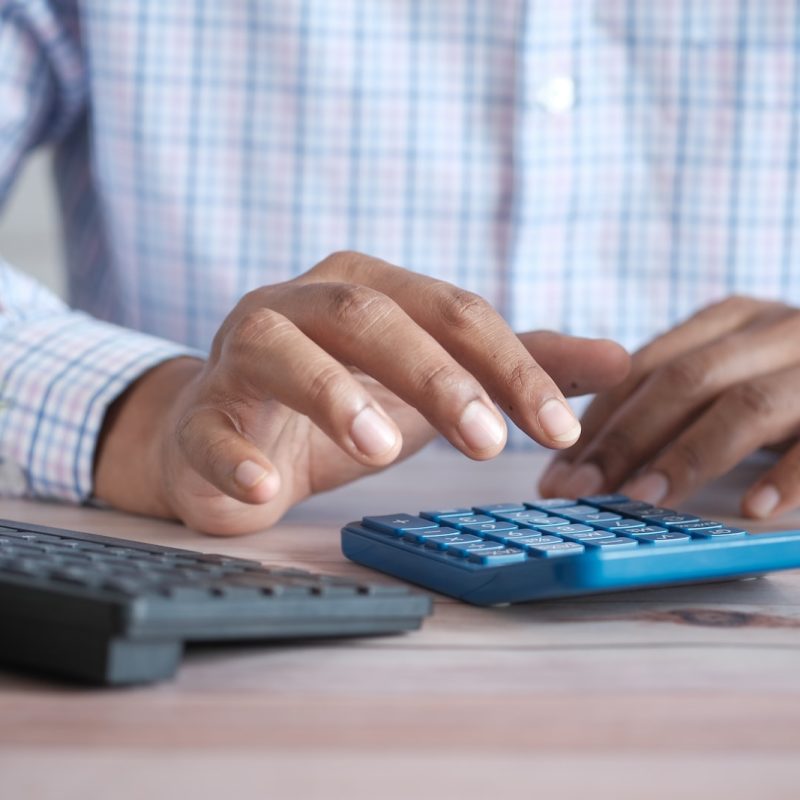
(719, 533)
(549, 504)
(469, 519)
(508, 555)
(620, 524)
(441, 542)
(529, 515)
(432, 533)
(534, 541)
(656, 514)
(576, 510)
(468, 548)
(498, 508)
(489, 527)
(700, 525)
(633, 507)
(398, 524)
(584, 537)
(437, 516)
(604, 499)
(677, 520)
(572, 528)
(637, 532)
(616, 543)
(512, 536)
(556, 550)
(544, 522)
(666, 537)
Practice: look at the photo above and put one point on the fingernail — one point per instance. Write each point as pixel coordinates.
(558, 421)
(480, 428)
(652, 487)
(371, 433)
(249, 474)
(587, 479)
(763, 501)
(554, 476)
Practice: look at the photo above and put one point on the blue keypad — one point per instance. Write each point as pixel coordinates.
(513, 552)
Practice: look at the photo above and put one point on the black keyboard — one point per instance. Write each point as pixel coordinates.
(111, 611)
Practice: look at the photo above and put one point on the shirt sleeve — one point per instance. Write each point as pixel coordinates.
(60, 369)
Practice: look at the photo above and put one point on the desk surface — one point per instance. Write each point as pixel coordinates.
(647, 693)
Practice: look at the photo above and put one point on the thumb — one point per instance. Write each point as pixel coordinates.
(578, 365)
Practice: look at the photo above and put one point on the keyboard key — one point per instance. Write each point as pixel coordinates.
(585, 537)
(513, 536)
(499, 508)
(577, 510)
(544, 522)
(633, 507)
(719, 533)
(443, 542)
(677, 520)
(481, 546)
(666, 537)
(616, 543)
(655, 514)
(496, 558)
(398, 524)
(637, 532)
(438, 516)
(556, 550)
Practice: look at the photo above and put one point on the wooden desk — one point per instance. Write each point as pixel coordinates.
(691, 691)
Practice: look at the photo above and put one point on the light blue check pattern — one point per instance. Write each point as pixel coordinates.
(600, 167)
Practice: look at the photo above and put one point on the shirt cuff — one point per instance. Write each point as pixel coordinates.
(58, 375)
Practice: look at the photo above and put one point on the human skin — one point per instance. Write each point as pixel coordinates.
(317, 381)
(698, 400)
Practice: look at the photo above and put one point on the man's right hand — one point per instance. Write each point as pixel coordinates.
(337, 373)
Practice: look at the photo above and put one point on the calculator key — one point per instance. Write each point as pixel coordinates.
(604, 499)
(544, 522)
(431, 533)
(572, 528)
(441, 542)
(489, 527)
(494, 558)
(616, 543)
(620, 524)
(499, 508)
(577, 510)
(633, 507)
(677, 520)
(550, 504)
(535, 541)
(655, 514)
(528, 515)
(665, 537)
(398, 524)
(595, 518)
(438, 516)
(468, 548)
(585, 537)
(700, 525)
(556, 550)
(637, 532)
(512, 536)
(719, 533)
(469, 519)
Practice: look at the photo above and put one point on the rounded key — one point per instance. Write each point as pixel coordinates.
(572, 528)
(433, 533)
(443, 542)
(700, 525)
(667, 537)
(493, 558)
(497, 526)
(498, 508)
(553, 502)
(442, 514)
(604, 499)
(469, 519)
(584, 537)
(556, 550)
(677, 520)
(637, 532)
(398, 524)
(719, 533)
(617, 543)
(535, 541)
(529, 515)
(544, 522)
(620, 524)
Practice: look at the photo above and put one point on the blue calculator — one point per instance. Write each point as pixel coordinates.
(515, 552)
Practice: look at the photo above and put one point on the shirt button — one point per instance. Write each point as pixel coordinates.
(556, 95)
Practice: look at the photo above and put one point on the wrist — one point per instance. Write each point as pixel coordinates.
(129, 458)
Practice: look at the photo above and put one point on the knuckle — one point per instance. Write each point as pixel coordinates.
(463, 309)
(340, 262)
(326, 387)
(254, 326)
(753, 398)
(351, 304)
(685, 377)
(438, 380)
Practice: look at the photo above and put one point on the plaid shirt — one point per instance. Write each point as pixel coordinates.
(602, 167)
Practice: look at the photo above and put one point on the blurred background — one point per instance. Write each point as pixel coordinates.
(30, 235)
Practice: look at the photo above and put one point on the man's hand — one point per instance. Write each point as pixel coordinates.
(697, 401)
(340, 372)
